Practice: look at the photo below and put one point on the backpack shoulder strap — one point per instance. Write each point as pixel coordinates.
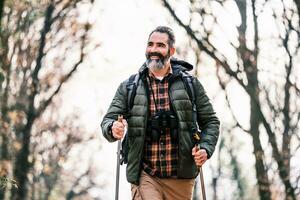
(188, 82)
(131, 87)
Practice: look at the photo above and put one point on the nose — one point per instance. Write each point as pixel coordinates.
(152, 49)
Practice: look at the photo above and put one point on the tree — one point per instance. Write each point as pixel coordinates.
(43, 43)
(1, 10)
(240, 59)
(53, 146)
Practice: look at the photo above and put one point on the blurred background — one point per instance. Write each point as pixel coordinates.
(62, 60)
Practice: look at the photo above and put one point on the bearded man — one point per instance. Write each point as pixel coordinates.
(163, 160)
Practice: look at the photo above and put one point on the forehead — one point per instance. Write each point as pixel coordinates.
(158, 37)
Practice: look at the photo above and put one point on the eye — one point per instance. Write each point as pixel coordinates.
(161, 45)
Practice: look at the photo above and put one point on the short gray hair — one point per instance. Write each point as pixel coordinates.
(168, 31)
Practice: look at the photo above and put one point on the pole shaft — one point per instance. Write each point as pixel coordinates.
(202, 184)
(120, 119)
(118, 171)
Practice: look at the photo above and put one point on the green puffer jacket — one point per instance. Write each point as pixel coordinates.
(137, 119)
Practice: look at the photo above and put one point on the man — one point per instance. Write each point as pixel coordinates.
(162, 157)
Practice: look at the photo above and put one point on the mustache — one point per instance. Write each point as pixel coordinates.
(161, 57)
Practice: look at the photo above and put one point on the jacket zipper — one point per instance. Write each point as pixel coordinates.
(172, 79)
(146, 121)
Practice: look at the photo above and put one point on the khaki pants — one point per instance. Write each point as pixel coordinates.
(153, 188)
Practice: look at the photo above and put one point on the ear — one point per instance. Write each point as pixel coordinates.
(172, 51)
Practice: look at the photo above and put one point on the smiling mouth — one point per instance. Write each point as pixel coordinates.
(154, 57)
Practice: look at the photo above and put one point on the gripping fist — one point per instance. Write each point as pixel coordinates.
(200, 156)
(118, 129)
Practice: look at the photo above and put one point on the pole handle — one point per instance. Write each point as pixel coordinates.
(120, 118)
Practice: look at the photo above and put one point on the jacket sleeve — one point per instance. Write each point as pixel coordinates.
(207, 120)
(117, 107)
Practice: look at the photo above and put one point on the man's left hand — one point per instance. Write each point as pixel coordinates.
(200, 156)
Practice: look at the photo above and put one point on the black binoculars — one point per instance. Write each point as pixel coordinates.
(161, 121)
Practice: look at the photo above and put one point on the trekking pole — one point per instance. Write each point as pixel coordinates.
(197, 139)
(120, 119)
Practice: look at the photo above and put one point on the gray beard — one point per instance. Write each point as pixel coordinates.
(155, 65)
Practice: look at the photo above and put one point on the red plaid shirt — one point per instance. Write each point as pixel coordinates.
(160, 157)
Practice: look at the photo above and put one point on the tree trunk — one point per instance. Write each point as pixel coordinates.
(5, 153)
(297, 2)
(1, 12)
(251, 71)
(261, 172)
(22, 164)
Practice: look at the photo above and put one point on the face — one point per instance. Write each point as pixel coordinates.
(158, 51)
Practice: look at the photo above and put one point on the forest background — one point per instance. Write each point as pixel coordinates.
(62, 60)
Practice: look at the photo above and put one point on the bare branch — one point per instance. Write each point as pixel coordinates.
(35, 81)
(64, 10)
(210, 50)
(44, 31)
(223, 86)
(249, 59)
(67, 76)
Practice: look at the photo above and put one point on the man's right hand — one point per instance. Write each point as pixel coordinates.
(118, 129)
